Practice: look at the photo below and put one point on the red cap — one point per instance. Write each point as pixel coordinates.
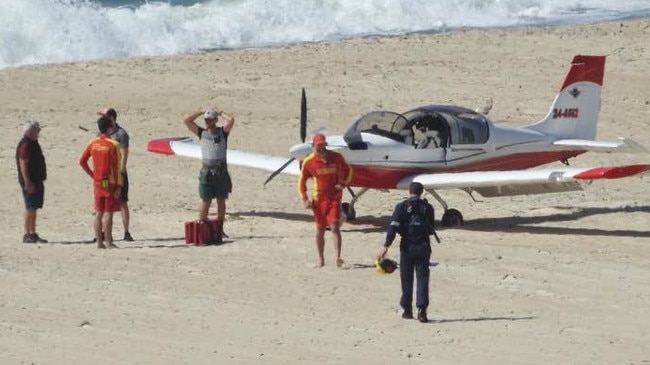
(318, 139)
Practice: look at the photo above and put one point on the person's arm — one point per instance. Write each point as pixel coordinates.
(125, 156)
(302, 184)
(83, 161)
(29, 185)
(228, 121)
(124, 149)
(190, 123)
(345, 176)
(391, 231)
(431, 222)
(116, 162)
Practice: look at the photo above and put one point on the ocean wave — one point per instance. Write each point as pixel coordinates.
(52, 31)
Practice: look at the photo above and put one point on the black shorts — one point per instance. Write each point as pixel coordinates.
(34, 201)
(124, 193)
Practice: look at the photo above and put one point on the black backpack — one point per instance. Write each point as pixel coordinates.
(416, 225)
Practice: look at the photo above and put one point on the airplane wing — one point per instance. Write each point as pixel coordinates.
(187, 147)
(522, 182)
(624, 145)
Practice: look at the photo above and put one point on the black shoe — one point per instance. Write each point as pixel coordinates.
(422, 315)
(407, 314)
(38, 239)
(29, 238)
(127, 237)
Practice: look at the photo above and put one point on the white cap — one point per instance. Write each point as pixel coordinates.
(210, 114)
(31, 125)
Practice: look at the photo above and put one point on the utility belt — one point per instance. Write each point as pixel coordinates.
(214, 170)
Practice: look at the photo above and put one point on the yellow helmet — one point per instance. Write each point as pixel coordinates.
(385, 266)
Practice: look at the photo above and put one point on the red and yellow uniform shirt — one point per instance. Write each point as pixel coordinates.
(106, 156)
(327, 173)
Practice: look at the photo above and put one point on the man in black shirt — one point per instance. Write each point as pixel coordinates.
(32, 172)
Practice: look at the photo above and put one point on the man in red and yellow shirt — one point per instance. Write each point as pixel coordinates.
(107, 180)
(331, 174)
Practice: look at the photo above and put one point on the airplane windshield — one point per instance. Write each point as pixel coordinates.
(383, 123)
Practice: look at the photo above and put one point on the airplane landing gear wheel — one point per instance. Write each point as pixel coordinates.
(349, 211)
(452, 218)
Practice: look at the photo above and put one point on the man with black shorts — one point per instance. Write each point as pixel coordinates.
(214, 179)
(32, 172)
(119, 134)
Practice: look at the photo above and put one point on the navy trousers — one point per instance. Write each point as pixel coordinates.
(415, 259)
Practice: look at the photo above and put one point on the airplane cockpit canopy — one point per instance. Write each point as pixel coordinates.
(450, 124)
(381, 123)
(456, 125)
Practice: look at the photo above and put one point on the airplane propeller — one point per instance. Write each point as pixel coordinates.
(303, 135)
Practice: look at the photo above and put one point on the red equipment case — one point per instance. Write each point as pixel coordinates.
(202, 233)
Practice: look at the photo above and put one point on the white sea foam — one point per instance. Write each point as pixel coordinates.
(50, 31)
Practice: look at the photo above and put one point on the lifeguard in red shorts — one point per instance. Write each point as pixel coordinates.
(107, 180)
(331, 174)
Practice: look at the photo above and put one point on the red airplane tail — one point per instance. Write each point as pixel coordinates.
(574, 112)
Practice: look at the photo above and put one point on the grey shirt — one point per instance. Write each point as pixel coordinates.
(214, 146)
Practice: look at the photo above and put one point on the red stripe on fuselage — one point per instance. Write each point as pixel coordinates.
(386, 177)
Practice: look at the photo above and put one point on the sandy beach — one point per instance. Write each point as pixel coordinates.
(548, 279)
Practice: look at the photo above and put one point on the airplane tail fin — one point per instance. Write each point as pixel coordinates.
(574, 112)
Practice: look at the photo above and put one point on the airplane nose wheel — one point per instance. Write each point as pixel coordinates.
(348, 211)
(452, 218)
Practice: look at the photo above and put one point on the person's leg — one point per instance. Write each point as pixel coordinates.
(35, 204)
(206, 194)
(406, 269)
(334, 222)
(107, 225)
(126, 218)
(204, 208)
(30, 221)
(97, 225)
(124, 207)
(320, 246)
(28, 224)
(422, 273)
(336, 232)
(221, 209)
(421, 256)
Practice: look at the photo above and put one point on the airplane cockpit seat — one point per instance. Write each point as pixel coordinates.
(431, 139)
(407, 136)
(355, 142)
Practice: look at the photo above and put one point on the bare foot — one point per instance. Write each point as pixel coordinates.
(339, 263)
(112, 245)
(101, 246)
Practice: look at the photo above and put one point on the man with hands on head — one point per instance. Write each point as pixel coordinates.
(214, 179)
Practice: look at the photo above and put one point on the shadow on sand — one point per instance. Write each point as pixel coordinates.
(517, 224)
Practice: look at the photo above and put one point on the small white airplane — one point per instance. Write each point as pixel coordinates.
(446, 146)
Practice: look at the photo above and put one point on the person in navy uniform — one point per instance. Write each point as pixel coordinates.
(413, 219)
